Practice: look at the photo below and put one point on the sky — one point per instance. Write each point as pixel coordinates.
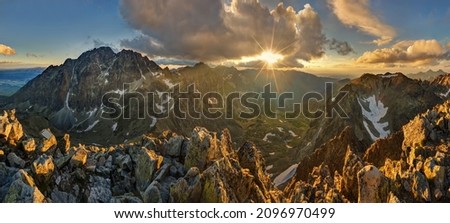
(324, 37)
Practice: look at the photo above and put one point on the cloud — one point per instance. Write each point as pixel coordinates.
(419, 52)
(33, 55)
(341, 47)
(217, 30)
(357, 13)
(6, 50)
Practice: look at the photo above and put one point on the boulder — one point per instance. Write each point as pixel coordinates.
(48, 143)
(371, 185)
(29, 145)
(15, 161)
(79, 158)
(146, 163)
(43, 168)
(173, 146)
(188, 188)
(99, 190)
(23, 190)
(201, 149)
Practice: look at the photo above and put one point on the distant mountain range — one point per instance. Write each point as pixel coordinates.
(427, 75)
(12, 80)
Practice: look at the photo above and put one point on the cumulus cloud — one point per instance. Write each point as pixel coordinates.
(357, 13)
(215, 30)
(418, 52)
(341, 47)
(6, 50)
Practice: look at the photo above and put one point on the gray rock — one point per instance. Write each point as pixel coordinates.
(173, 146)
(62, 197)
(147, 162)
(99, 190)
(23, 190)
(15, 161)
(152, 194)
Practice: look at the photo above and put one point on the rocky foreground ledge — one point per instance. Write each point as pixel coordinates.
(412, 165)
(168, 168)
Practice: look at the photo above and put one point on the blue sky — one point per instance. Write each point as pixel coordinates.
(44, 32)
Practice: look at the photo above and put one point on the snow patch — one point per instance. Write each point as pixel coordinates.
(445, 94)
(114, 126)
(272, 153)
(89, 128)
(269, 167)
(389, 76)
(293, 133)
(280, 129)
(285, 175)
(375, 112)
(169, 83)
(266, 137)
(154, 121)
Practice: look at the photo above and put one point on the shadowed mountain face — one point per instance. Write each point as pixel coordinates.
(376, 106)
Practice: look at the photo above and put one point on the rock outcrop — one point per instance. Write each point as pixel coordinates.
(203, 168)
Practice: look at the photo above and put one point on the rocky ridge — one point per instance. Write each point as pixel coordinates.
(411, 165)
(169, 168)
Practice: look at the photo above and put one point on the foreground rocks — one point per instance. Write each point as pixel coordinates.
(411, 165)
(168, 168)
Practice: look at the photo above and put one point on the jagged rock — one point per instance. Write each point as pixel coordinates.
(352, 165)
(62, 197)
(79, 158)
(382, 149)
(10, 128)
(43, 168)
(173, 146)
(99, 190)
(62, 161)
(201, 146)
(152, 194)
(5, 126)
(420, 187)
(187, 189)
(49, 143)
(66, 144)
(372, 185)
(435, 174)
(225, 181)
(127, 198)
(29, 145)
(15, 161)
(23, 190)
(146, 162)
(415, 132)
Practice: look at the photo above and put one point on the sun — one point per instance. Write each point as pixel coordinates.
(270, 58)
